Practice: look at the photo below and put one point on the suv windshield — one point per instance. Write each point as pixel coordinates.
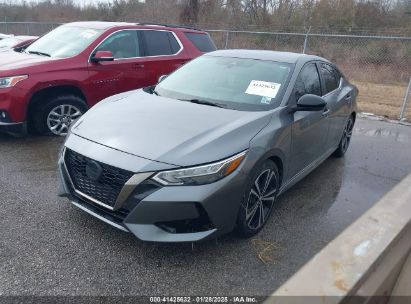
(63, 42)
(236, 83)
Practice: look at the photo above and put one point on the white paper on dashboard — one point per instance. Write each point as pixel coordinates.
(88, 34)
(263, 88)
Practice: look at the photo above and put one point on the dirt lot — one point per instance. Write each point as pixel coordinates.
(382, 99)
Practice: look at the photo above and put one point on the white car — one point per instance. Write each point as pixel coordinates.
(2, 36)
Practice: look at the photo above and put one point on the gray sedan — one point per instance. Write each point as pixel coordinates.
(211, 147)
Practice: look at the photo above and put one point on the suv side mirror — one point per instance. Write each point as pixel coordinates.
(310, 102)
(100, 56)
(161, 78)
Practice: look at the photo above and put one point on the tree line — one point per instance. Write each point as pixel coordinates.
(372, 16)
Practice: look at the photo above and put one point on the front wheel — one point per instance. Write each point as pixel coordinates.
(346, 138)
(259, 198)
(56, 116)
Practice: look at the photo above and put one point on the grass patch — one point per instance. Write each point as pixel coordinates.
(381, 99)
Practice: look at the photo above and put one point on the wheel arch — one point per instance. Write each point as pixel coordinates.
(280, 166)
(38, 98)
(354, 115)
(278, 158)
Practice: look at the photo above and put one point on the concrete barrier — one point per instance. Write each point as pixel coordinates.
(369, 262)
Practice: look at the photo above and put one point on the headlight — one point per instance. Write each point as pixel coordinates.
(200, 175)
(8, 82)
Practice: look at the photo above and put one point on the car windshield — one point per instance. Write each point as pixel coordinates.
(235, 83)
(63, 42)
(9, 42)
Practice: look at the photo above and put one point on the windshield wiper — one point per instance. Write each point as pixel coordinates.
(39, 53)
(205, 102)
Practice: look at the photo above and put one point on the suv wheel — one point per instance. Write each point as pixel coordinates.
(56, 116)
(259, 199)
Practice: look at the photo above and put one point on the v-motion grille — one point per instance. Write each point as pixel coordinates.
(96, 180)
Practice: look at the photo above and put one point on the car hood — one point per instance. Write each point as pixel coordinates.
(5, 49)
(169, 131)
(10, 60)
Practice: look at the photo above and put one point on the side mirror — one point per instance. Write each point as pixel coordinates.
(310, 102)
(161, 78)
(100, 56)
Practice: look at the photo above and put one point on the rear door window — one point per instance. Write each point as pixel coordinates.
(308, 82)
(331, 77)
(160, 43)
(202, 42)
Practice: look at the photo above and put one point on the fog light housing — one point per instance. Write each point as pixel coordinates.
(4, 116)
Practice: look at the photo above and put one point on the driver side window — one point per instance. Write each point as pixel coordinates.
(123, 44)
(308, 82)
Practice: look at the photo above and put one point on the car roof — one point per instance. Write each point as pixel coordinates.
(287, 57)
(99, 25)
(21, 37)
(104, 25)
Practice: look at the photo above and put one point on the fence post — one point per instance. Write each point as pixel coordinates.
(306, 40)
(226, 39)
(405, 103)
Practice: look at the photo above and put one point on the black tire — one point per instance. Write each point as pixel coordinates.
(249, 223)
(40, 117)
(346, 138)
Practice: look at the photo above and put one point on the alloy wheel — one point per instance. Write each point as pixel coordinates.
(261, 199)
(347, 135)
(61, 117)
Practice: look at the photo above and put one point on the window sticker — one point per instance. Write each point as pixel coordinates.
(88, 34)
(263, 88)
(266, 100)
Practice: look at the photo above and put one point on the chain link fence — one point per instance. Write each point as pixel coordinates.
(380, 66)
(27, 28)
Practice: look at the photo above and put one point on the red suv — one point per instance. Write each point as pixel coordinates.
(57, 78)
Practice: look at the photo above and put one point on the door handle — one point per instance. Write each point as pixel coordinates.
(326, 112)
(138, 66)
(348, 97)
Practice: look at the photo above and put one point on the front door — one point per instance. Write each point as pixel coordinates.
(125, 73)
(309, 129)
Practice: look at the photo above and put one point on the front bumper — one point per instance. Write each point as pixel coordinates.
(13, 101)
(14, 128)
(167, 214)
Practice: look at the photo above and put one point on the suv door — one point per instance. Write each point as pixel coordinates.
(123, 74)
(337, 101)
(161, 53)
(309, 129)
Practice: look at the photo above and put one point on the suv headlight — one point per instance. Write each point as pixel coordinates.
(200, 175)
(8, 82)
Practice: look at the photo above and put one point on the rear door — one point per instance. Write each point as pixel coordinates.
(161, 49)
(309, 129)
(125, 73)
(338, 101)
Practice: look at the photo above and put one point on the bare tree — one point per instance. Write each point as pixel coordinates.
(189, 14)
